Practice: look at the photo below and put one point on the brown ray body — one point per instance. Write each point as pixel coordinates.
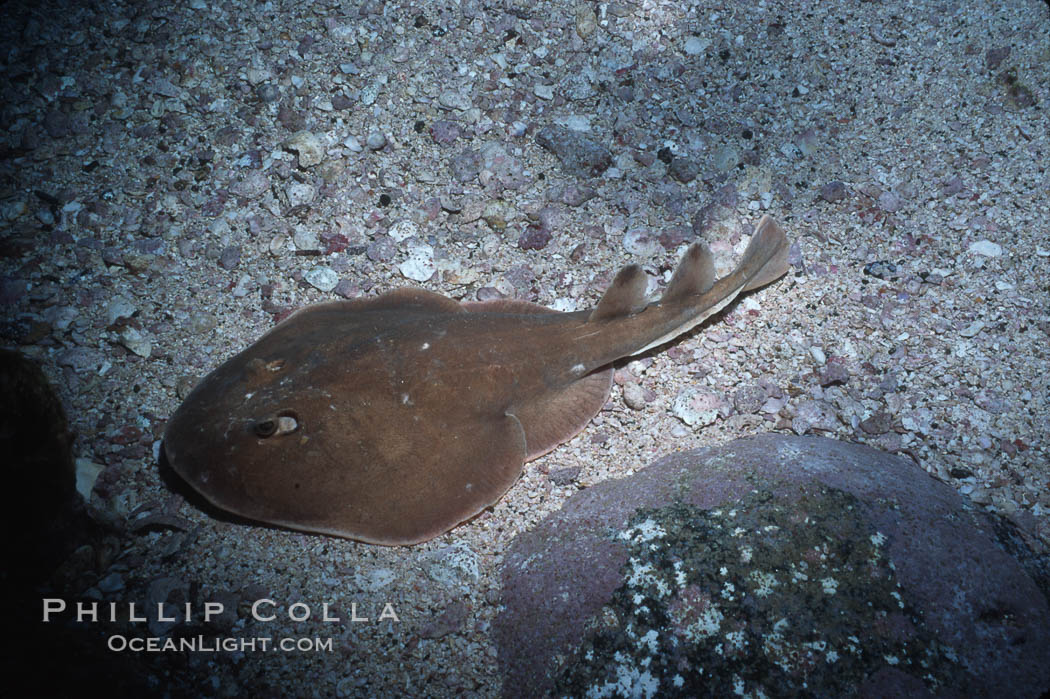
(391, 420)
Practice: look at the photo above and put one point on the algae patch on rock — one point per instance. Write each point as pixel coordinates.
(774, 566)
(766, 593)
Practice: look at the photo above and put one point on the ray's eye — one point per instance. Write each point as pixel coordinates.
(284, 422)
(266, 428)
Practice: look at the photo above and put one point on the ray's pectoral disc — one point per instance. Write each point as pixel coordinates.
(348, 434)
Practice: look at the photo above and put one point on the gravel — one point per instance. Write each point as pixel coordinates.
(215, 166)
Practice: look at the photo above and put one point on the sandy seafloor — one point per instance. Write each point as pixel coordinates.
(156, 219)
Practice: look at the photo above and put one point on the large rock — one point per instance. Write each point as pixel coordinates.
(774, 566)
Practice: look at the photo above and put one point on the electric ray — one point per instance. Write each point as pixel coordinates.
(391, 420)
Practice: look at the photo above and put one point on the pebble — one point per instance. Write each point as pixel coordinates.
(134, 340)
(699, 407)
(119, 307)
(833, 191)
(633, 396)
(694, 45)
(986, 248)
(376, 140)
(544, 92)
(834, 373)
(251, 186)
(309, 147)
(451, 99)
(534, 238)
(748, 400)
(420, 263)
(403, 230)
(726, 158)
(972, 329)
(87, 472)
(641, 242)
(346, 289)
(267, 93)
(882, 269)
(889, 202)
(495, 214)
(579, 155)
(466, 165)
(300, 193)
(304, 239)
(684, 170)
(353, 144)
(321, 278)
(243, 286)
(445, 132)
(878, 423)
(586, 20)
(576, 195)
(114, 582)
(814, 414)
(230, 257)
(382, 249)
(369, 93)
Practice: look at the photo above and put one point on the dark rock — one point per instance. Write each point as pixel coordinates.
(578, 155)
(882, 269)
(643, 157)
(814, 415)
(1019, 94)
(993, 57)
(382, 249)
(346, 289)
(879, 423)
(267, 93)
(834, 373)
(11, 290)
(576, 195)
(715, 211)
(833, 191)
(534, 238)
(40, 471)
(466, 165)
(748, 400)
(778, 565)
(230, 257)
(56, 123)
(445, 132)
(449, 621)
(564, 476)
(674, 236)
(684, 169)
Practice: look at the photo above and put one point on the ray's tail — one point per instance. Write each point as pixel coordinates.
(693, 294)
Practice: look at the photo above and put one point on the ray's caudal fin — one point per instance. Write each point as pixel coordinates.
(692, 295)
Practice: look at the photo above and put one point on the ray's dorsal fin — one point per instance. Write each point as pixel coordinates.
(626, 295)
(695, 274)
(767, 236)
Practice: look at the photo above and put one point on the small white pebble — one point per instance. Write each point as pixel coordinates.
(986, 248)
